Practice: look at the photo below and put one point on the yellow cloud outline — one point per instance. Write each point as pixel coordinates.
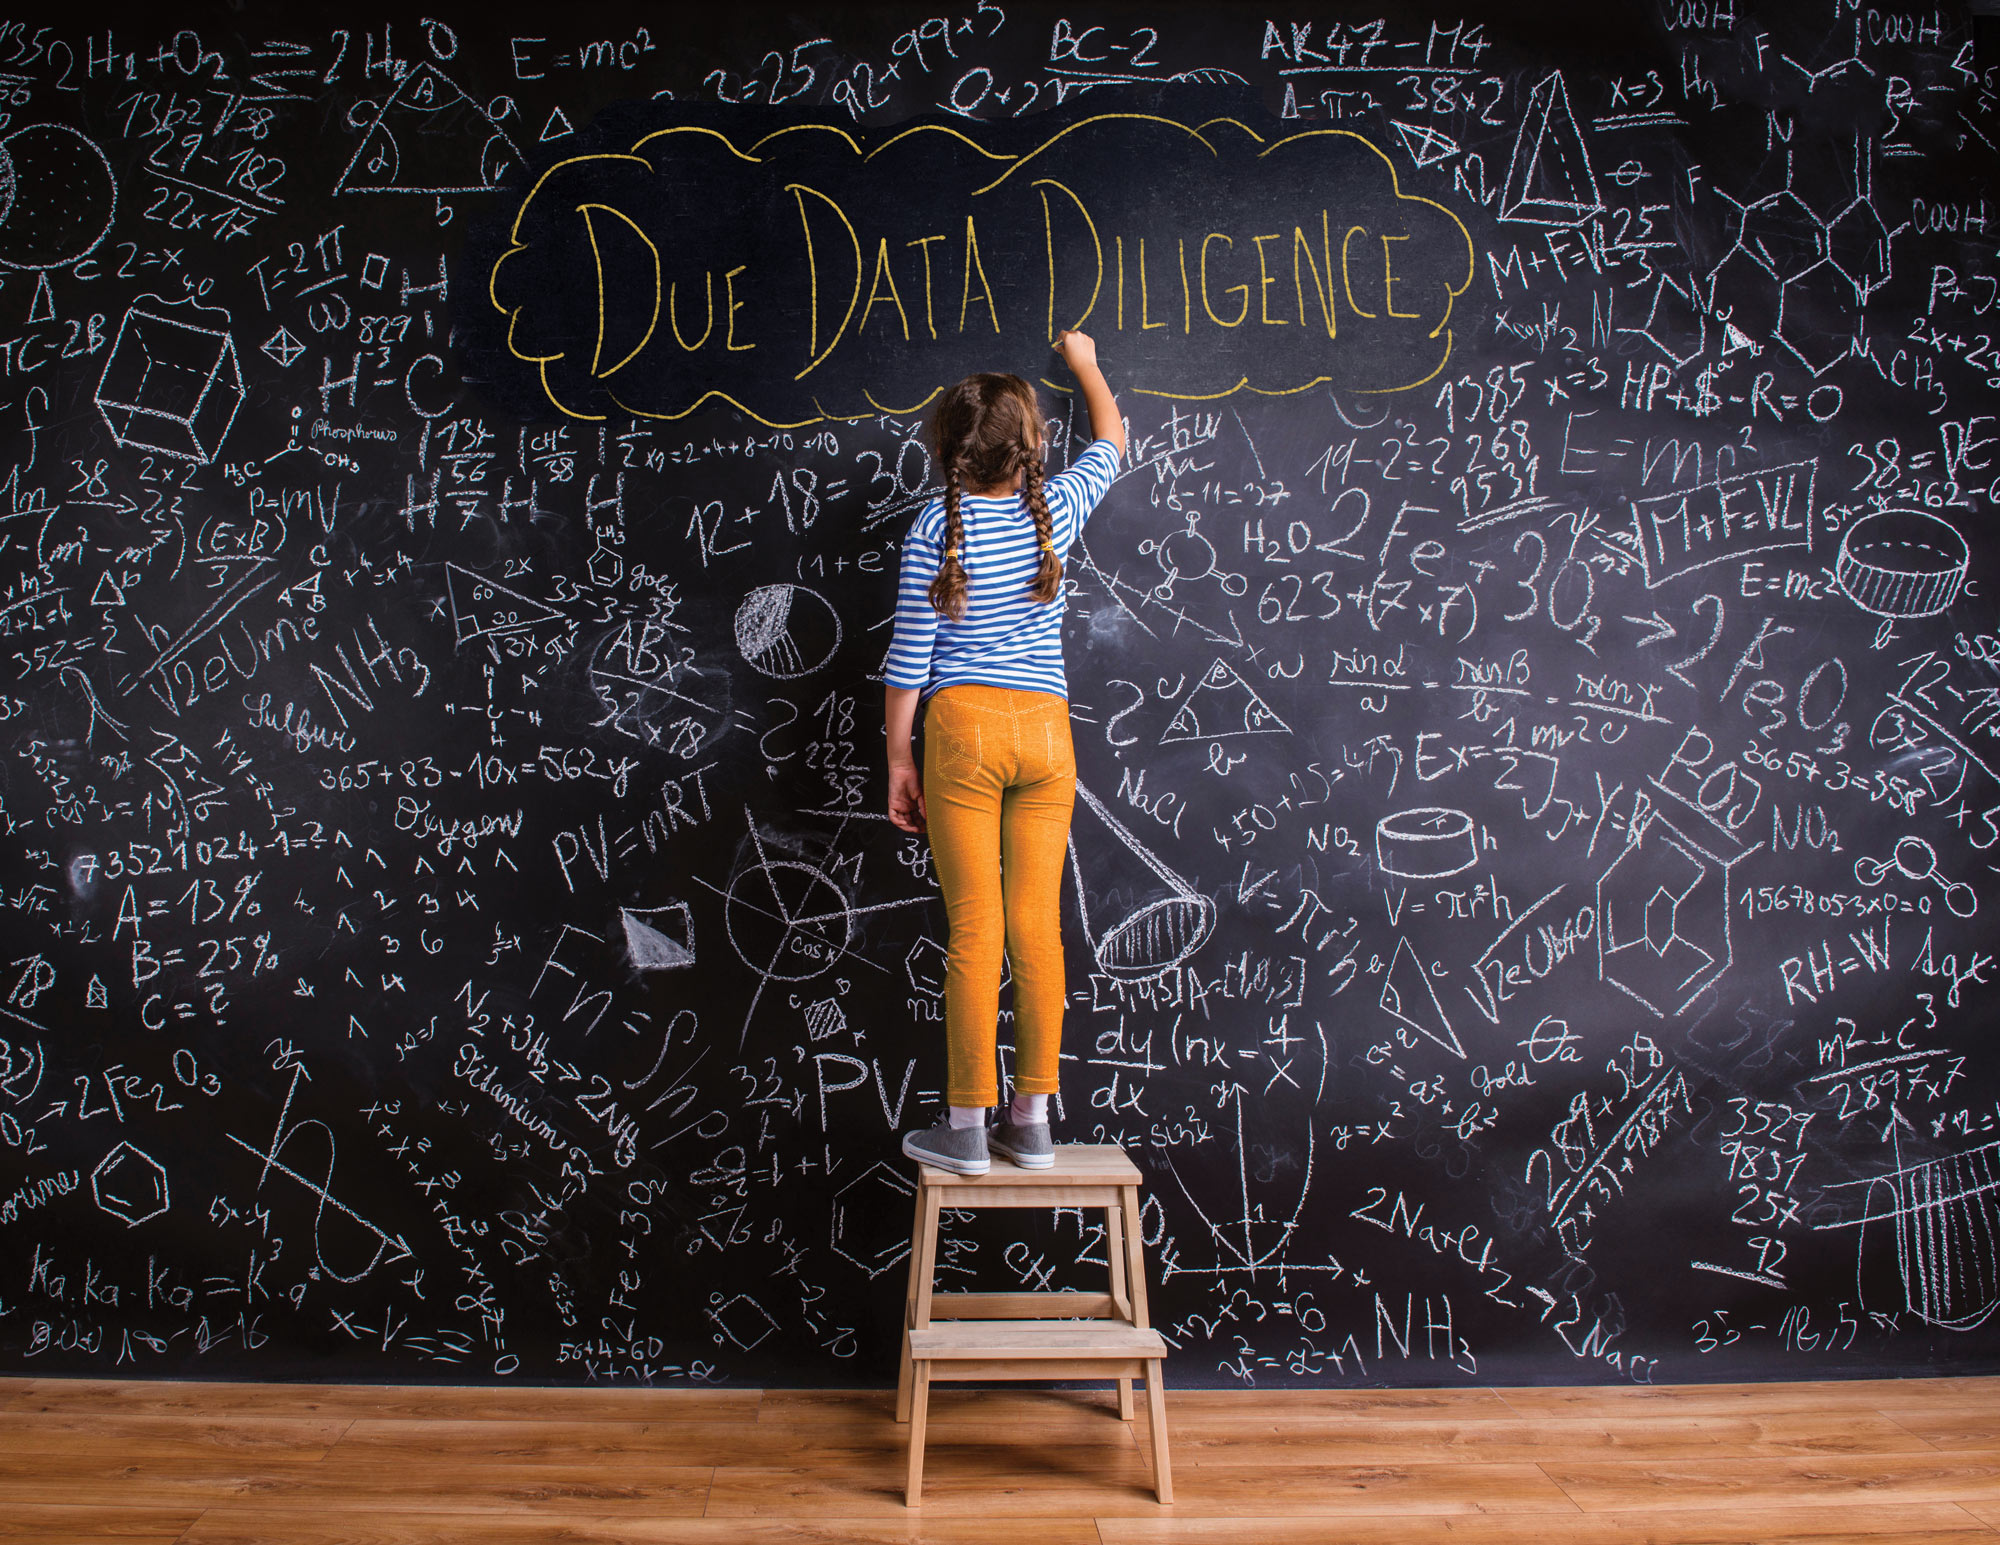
(542, 362)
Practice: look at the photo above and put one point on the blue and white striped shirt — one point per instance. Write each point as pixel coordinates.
(1006, 638)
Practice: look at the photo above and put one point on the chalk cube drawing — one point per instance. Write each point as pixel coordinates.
(170, 386)
(130, 1184)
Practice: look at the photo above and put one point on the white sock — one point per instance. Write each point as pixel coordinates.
(1025, 1109)
(967, 1115)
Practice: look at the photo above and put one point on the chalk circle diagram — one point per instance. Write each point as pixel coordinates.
(1902, 563)
(1157, 935)
(57, 196)
(1430, 842)
(787, 920)
(786, 631)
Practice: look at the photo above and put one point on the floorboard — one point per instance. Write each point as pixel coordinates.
(171, 1462)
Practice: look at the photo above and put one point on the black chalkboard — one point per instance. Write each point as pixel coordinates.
(1536, 700)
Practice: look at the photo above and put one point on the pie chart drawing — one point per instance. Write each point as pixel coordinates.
(786, 631)
(57, 196)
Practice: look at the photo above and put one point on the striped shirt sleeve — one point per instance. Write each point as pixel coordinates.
(909, 662)
(1077, 490)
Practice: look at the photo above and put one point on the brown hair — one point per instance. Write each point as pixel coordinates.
(987, 428)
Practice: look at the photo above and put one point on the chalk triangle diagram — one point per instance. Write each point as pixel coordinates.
(1549, 180)
(1408, 995)
(480, 607)
(429, 137)
(1220, 705)
(650, 947)
(1427, 146)
(557, 126)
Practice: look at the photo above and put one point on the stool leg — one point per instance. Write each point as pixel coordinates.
(920, 1393)
(1156, 1419)
(910, 1310)
(1135, 1259)
(1114, 1252)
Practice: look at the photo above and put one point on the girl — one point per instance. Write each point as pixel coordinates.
(979, 639)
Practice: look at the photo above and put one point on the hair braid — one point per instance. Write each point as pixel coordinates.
(947, 593)
(1048, 577)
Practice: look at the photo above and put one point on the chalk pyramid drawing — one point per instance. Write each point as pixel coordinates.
(1408, 995)
(480, 607)
(429, 137)
(648, 941)
(1427, 146)
(1222, 704)
(1549, 180)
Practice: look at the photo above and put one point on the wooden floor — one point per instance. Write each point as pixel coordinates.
(1902, 1460)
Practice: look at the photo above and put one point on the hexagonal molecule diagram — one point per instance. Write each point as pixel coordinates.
(1663, 918)
(869, 1213)
(170, 386)
(130, 1185)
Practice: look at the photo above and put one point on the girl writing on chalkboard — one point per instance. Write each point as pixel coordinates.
(978, 643)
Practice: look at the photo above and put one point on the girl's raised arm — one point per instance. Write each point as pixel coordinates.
(1079, 352)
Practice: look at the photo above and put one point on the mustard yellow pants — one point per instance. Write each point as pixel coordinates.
(999, 784)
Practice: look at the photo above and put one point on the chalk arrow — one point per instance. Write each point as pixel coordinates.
(1662, 629)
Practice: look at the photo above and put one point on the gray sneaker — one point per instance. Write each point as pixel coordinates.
(961, 1150)
(1028, 1144)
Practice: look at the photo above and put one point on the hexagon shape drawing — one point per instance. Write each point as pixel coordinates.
(1859, 244)
(1813, 312)
(925, 967)
(1782, 234)
(130, 1184)
(871, 1219)
(1663, 918)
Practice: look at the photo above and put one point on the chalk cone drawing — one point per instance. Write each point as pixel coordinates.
(170, 386)
(659, 938)
(480, 607)
(1407, 994)
(58, 196)
(786, 631)
(1429, 842)
(1549, 180)
(1220, 705)
(429, 137)
(1157, 935)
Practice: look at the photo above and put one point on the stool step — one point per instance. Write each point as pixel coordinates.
(1098, 1164)
(956, 1339)
(1030, 1306)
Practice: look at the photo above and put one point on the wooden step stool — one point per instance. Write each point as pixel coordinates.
(1098, 1335)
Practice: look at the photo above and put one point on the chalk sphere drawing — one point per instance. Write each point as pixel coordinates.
(57, 196)
(786, 631)
(1902, 563)
(1427, 843)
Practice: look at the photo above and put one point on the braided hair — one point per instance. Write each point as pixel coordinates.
(987, 431)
